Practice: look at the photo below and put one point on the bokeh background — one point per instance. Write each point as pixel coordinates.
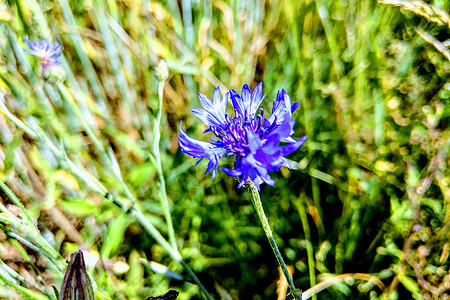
(368, 192)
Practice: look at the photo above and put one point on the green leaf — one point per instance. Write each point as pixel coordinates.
(141, 173)
(10, 151)
(80, 207)
(135, 275)
(128, 143)
(116, 230)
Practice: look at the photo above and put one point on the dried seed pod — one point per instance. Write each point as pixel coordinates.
(76, 284)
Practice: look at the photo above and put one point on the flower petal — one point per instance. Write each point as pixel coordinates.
(294, 106)
(205, 102)
(213, 112)
(238, 105)
(200, 149)
(201, 114)
(232, 172)
(257, 98)
(294, 146)
(246, 96)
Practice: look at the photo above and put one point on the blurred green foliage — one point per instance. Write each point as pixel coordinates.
(367, 193)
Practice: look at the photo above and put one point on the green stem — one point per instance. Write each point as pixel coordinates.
(26, 292)
(173, 252)
(95, 185)
(25, 255)
(157, 162)
(254, 195)
(19, 204)
(196, 280)
(309, 249)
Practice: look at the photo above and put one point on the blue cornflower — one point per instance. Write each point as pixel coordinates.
(47, 52)
(248, 134)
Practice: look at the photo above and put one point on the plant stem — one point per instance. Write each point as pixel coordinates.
(157, 162)
(173, 252)
(309, 249)
(254, 195)
(98, 187)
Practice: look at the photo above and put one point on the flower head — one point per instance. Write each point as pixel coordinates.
(47, 52)
(248, 135)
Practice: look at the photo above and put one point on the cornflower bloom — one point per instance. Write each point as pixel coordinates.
(250, 136)
(47, 52)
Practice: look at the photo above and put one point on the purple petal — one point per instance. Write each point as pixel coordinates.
(257, 98)
(237, 102)
(294, 106)
(294, 146)
(200, 149)
(216, 96)
(201, 114)
(231, 172)
(28, 42)
(246, 97)
(205, 102)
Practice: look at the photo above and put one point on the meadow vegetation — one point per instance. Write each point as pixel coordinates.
(89, 153)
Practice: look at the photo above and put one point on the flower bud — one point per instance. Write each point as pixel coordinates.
(161, 70)
(76, 283)
(53, 73)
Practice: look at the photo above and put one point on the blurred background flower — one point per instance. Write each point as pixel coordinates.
(47, 52)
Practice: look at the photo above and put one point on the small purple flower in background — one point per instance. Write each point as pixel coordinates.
(248, 134)
(47, 52)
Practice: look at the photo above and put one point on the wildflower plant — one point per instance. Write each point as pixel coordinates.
(253, 139)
